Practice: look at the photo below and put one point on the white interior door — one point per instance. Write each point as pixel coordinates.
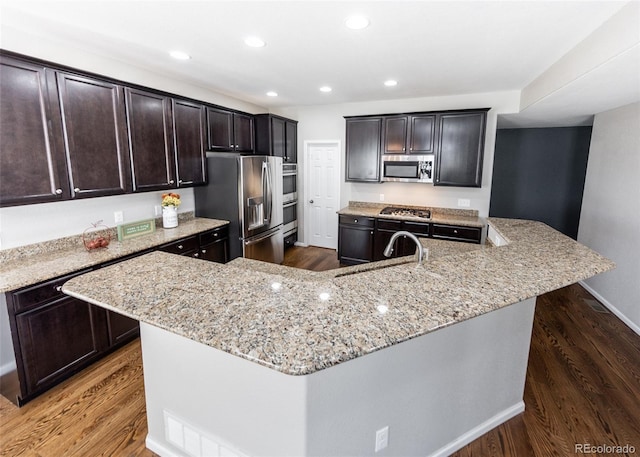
(322, 189)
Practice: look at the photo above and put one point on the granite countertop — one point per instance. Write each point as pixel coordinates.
(446, 216)
(28, 265)
(299, 322)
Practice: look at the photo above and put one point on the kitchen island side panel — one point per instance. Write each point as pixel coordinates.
(436, 393)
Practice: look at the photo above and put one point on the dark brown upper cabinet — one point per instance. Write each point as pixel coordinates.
(189, 120)
(229, 131)
(243, 132)
(363, 149)
(93, 125)
(459, 154)
(32, 159)
(150, 140)
(277, 136)
(411, 134)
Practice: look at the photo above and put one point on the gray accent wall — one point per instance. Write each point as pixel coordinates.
(539, 174)
(610, 218)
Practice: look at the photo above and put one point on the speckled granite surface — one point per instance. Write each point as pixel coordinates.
(298, 322)
(447, 216)
(34, 263)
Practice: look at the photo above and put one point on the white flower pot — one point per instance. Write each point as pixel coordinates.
(169, 216)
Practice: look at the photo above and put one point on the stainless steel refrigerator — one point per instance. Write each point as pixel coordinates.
(246, 190)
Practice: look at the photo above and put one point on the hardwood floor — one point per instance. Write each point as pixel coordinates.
(583, 386)
(311, 258)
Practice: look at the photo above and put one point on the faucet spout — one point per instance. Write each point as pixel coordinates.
(388, 250)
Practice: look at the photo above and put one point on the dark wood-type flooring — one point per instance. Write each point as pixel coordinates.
(583, 386)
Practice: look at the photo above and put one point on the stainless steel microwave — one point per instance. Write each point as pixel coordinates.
(407, 168)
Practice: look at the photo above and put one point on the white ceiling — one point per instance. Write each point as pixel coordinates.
(431, 48)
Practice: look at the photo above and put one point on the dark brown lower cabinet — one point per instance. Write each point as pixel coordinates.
(402, 247)
(57, 339)
(212, 245)
(457, 233)
(355, 239)
(55, 336)
(121, 328)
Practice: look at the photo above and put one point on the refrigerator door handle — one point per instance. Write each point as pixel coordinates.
(256, 240)
(268, 190)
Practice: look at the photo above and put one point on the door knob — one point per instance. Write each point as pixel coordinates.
(310, 201)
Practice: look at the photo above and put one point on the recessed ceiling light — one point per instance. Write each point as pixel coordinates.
(357, 22)
(272, 94)
(254, 42)
(391, 83)
(325, 89)
(180, 55)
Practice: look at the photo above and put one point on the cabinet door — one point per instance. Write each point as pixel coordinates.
(215, 252)
(32, 164)
(395, 135)
(460, 151)
(422, 139)
(363, 149)
(380, 241)
(150, 141)
(278, 137)
(57, 339)
(189, 145)
(243, 132)
(220, 129)
(94, 134)
(355, 244)
(121, 328)
(291, 142)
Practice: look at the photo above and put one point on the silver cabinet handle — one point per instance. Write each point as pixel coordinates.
(179, 181)
(58, 288)
(196, 254)
(204, 251)
(355, 220)
(215, 235)
(455, 231)
(76, 189)
(180, 246)
(171, 181)
(58, 191)
(310, 201)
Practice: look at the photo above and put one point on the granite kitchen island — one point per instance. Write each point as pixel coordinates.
(258, 359)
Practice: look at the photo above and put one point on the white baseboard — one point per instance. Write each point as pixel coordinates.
(160, 449)
(301, 244)
(480, 430)
(632, 325)
(7, 368)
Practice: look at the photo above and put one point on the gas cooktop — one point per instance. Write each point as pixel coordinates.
(411, 212)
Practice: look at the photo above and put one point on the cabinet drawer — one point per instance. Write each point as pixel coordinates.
(213, 235)
(182, 246)
(33, 296)
(454, 232)
(389, 224)
(357, 220)
(417, 228)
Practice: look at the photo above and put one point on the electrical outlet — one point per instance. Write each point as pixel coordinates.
(381, 197)
(464, 202)
(157, 210)
(118, 216)
(382, 438)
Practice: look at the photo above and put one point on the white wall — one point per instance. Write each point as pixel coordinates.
(35, 223)
(610, 218)
(326, 122)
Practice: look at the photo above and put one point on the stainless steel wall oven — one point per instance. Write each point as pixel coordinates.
(290, 203)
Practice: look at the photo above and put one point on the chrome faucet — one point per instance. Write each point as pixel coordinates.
(389, 249)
